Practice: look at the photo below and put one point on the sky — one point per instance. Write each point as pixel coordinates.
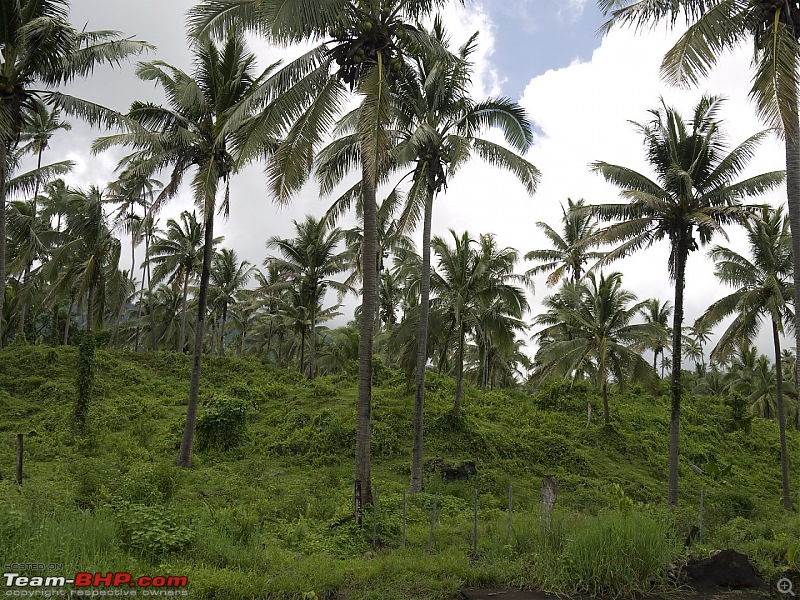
(580, 90)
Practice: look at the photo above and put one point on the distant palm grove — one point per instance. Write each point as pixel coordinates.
(381, 101)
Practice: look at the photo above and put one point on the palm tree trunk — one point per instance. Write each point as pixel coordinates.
(90, 310)
(459, 373)
(3, 178)
(184, 311)
(606, 412)
(681, 253)
(792, 124)
(222, 329)
(422, 349)
(69, 314)
(153, 341)
(24, 308)
(302, 350)
(363, 470)
(185, 454)
(787, 498)
(312, 342)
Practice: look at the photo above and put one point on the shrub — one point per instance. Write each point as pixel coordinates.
(223, 424)
(150, 531)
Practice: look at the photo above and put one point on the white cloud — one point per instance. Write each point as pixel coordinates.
(582, 112)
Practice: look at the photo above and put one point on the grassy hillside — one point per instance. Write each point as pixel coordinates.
(266, 518)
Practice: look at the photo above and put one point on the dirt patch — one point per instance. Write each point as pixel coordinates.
(504, 595)
(726, 569)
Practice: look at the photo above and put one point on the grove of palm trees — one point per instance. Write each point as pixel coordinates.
(368, 406)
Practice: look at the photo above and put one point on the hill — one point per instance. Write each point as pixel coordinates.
(264, 511)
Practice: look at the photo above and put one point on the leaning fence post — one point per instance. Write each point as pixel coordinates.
(510, 507)
(374, 515)
(19, 459)
(403, 543)
(433, 522)
(700, 533)
(475, 525)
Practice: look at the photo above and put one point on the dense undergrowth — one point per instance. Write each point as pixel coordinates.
(263, 512)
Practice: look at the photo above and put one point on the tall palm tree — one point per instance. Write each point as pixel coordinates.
(132, 190)
(177, 257)
(692, 197)
(764, 288)
(310, 260)
(209, 126)
(41, 48)
(42, 124)
(32, 239)
(90, 259)
(469, 284)
(589, 328)
(657, 313)
(570, 250)
(229, 276)
(438, 130)
(716, 26)
(365, 46)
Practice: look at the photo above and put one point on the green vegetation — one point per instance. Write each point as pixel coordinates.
(266, 509)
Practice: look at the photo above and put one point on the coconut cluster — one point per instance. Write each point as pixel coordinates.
(358, 46)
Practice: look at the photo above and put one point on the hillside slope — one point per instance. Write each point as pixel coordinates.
(268, 517)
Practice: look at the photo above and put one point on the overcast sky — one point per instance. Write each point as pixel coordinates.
(580, 91)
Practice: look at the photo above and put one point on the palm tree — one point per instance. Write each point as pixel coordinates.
(470, 283)
(438, 131)
(366, 45)
(589, 328)
(693, 195)
(177, 257)
(700, 333)
(42, 124)
(132, 190)
(209, 124)
(717, 26)
(90, 259)
(571, 250)
(41, 48)
(32, 239)
(657, 313)
(310, 260)
(763, 289)
(229, 276)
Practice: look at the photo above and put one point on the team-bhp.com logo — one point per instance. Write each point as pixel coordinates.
(121, 584)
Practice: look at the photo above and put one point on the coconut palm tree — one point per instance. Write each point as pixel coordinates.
(42, 50)
(763, 289)
(90, 259)
(365, 46)
(570, 250)
(42, 124)
(589, 328)
(177, 257)
(438, 130)
(717, 26)
(209, 127)
(469, 284)
(657, 313)
(229, 276)
(310, 260)
(32, 239)
(692, 197)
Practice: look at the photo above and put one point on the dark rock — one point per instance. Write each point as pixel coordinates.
(726, 569)
(460, 472)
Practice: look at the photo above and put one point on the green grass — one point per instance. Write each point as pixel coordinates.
(266, 518)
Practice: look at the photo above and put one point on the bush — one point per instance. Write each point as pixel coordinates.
(223, 424)
(150, 531)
